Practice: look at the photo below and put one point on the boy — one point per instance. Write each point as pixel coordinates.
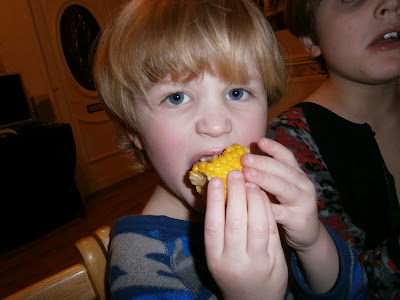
(184, 80)
(345, 135)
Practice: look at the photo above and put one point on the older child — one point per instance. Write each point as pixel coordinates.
(184, 79)
(346, 135)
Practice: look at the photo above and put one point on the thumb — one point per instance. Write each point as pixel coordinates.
(280, 213)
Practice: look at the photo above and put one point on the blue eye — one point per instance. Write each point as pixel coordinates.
(237, 94)
(177, 99)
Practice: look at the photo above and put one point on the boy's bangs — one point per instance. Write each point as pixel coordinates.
(191, 59)
(184, 40)
(180, 40)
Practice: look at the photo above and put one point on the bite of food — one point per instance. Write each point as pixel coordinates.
(219, 166)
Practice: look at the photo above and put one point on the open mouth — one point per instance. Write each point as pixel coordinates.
(391, 35)
(207, 156)
(388, 38)
(210, 158)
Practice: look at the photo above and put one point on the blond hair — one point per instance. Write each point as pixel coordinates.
(152, 40)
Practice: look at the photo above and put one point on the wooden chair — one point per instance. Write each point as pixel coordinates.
(85, 280)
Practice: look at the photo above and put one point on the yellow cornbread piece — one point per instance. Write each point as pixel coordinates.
(220, 166)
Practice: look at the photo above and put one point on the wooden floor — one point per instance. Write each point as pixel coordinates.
(55, 251)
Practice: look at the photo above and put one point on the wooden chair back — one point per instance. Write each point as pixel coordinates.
(85, 280)
(93, 253)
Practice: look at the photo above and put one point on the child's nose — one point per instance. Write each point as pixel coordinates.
(214, 124)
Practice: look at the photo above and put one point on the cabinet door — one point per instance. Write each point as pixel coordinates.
(66, 30)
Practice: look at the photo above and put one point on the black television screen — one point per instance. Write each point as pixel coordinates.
(14, 107)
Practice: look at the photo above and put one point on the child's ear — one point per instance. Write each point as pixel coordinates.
(136, 140)
(313, 49)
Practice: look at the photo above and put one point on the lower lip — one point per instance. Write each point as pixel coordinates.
(385, 46)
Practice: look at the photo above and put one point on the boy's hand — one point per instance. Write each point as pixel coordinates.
(297, 212)
(279, 174)
(243, 248)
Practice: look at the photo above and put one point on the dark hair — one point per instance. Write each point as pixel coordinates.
(301, 22)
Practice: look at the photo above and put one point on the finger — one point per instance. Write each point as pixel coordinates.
(278, 151)
(284, 189)
(214, 221)
(236, 215)
(275, 167)
(280, 213)
(258, 228)
(274, 240)
(281, 163)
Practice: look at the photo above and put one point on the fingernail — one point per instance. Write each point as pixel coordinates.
(252, 172)
(264, 141)
(251, 185)
(248, 158)
(216, 182)
(236, 174)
